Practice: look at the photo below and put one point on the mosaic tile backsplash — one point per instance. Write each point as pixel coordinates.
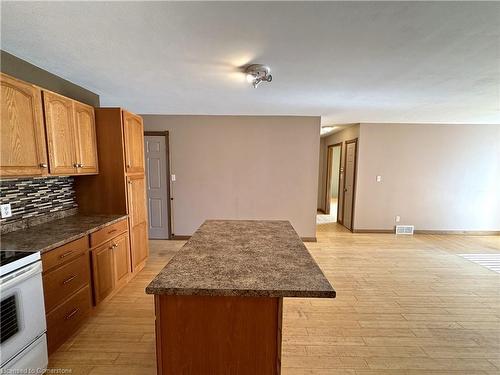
(32, 197)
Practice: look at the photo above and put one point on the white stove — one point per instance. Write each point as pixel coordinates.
(23, 343)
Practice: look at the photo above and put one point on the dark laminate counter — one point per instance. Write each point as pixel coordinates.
(243, 258)
(56, 233)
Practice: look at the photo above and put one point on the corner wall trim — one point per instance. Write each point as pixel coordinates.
(442, 232)
(180, 237)
(461, 232)
(308, 239)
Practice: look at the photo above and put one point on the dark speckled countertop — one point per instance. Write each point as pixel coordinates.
(243, 258)
(56, 233)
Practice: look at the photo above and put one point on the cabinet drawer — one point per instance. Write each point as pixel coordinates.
(107, 233)
(62, 282)
(67, 318)
(60, 255)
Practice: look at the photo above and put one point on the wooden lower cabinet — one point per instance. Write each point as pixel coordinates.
(121, 258)
(67, 290)
(63, 321)
(111, 266)
(68, 279)
(139, 243)
(102, 267)
(75, 276)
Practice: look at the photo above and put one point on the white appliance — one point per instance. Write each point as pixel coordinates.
(23, 344)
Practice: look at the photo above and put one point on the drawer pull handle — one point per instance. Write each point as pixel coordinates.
(71, 314)
(112, 231)
(65, 254)
(69, 279)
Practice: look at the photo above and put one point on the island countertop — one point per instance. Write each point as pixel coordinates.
(243, 258)
(48, 236)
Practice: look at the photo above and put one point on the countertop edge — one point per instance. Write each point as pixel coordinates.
(158, 291)
(80, 235)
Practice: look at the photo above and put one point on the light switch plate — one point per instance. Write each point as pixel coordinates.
(397, 219)
(6, 211)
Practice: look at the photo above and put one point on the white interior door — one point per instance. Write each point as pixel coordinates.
(155, 149)
(349, 173)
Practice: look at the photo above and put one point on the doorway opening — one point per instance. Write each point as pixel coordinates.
(156, 149)
(333, 178)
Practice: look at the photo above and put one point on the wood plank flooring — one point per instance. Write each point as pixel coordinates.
(405, 305)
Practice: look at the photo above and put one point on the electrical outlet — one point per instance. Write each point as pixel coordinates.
(379, 178)
(6, 211)
(397, 218)
(172, 177)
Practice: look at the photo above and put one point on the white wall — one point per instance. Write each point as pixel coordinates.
(242, 167)
(436, 177)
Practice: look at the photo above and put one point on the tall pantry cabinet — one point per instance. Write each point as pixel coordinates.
(120, 187)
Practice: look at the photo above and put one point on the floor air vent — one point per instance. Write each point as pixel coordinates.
(404, 229)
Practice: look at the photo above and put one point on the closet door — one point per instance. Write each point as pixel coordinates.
(22, 134)
(60, 127)
(86, 144)
(134, 143)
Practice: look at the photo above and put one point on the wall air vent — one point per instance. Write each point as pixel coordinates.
(405, 229)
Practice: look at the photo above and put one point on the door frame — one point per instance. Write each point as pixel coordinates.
(355, 141)
(167, 151)
(329, 161)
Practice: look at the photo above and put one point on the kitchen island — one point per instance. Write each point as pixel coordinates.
(219, 301)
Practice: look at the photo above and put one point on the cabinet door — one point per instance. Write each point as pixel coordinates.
(103, 271)
(22, 134)
(134, 143)
(59, 123)
(138, 220)
(121, 256)
(137, 199)
(139, 243)
(86, 144)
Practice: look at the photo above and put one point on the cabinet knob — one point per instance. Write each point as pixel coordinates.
(43, 165)
(81, 165)
(128, 165)
(75, 165)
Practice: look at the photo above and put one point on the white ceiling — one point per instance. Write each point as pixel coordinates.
(347, 62)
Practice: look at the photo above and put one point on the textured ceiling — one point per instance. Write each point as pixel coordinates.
(347, 62)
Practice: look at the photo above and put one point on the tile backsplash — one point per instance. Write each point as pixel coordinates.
(34, 197)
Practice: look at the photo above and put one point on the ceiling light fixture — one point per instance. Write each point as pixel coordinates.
(257, 73)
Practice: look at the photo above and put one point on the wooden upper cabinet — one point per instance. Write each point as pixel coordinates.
(86, 145)
(22, 134)
(60, 126)
(134, 143)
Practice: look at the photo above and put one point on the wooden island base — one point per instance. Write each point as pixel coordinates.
(218, 335)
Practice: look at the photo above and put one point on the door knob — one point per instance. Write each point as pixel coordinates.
(43, 165)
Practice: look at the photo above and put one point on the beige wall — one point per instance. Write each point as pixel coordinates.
(347, 134)
(242, 167)
(25, 71)
(436, 177)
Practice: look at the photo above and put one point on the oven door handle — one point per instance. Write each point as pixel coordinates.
(20, 275)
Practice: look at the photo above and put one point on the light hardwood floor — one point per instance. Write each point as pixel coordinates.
(405, 305)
